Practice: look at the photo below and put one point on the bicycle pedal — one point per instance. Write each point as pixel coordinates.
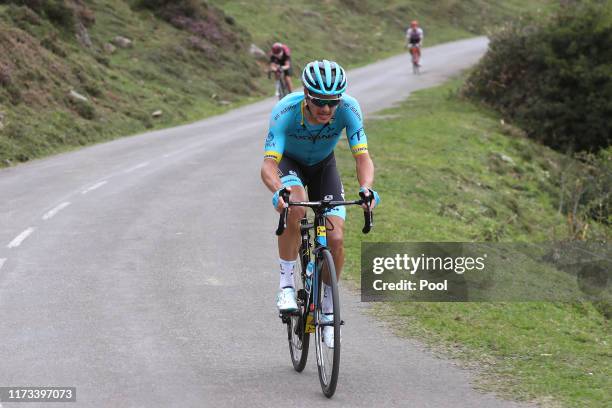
(301, 294)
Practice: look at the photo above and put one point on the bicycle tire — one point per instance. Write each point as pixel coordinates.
(283, 91)
(299, 339)
(328, 376)
(415, 63)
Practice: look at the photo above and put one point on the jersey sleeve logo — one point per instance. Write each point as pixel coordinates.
(355, 111)
(359, 149)
(271, 154)
(270, 141)
(355, 137)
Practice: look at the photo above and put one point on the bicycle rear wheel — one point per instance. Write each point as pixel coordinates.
(299, 339)
(328, 358)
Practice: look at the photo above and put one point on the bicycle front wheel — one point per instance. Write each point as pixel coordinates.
(328, 355)
(299, 338)
(283, 91)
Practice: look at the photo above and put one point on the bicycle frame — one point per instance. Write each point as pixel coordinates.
(320, 242)
(280, 81)
(320, 225)
(309, 317)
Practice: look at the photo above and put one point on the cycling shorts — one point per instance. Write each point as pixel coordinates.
(321, 180)
(288, 72)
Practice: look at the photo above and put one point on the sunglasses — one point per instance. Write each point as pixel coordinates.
(324, 102)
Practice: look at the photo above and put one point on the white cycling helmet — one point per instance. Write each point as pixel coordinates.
(324, 78)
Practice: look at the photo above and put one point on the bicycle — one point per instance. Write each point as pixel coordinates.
(280, 85)
(415, 51)
(308, 318)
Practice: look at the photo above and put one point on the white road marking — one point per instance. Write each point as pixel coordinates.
(95, 186)
(174, 153)
(54, 211)
(136, 167)
(20, 238)
(2, 261)
(212, 281)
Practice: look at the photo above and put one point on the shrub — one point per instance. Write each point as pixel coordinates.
(58, 12)
(84, 108)
(585, 191)
(553, 77)
(197, 18)
(190, 8)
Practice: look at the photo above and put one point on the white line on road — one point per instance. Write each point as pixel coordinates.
(136, 167)
(95, 186)
(20, 238)
(54, 211)
(2, 261)
(212, 281)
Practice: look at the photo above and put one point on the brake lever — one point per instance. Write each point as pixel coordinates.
(282, 221)
(367, 214)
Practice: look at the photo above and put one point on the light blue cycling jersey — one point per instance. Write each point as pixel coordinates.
(291, 134)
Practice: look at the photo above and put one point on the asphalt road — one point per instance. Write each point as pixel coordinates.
(143, 272)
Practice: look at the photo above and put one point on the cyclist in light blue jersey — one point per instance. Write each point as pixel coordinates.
(299, 152)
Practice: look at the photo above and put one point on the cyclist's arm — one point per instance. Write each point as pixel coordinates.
(365, 170)
(273, 151)
(269, 175)
(287, 64)
(358, 141)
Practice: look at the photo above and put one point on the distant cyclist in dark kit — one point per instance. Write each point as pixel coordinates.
(280, 58)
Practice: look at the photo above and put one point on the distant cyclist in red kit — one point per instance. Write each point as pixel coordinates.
(280, 58)
(414, 40)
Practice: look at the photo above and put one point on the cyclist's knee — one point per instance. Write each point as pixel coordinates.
(335, 235)
(297, 194)
(296, 213)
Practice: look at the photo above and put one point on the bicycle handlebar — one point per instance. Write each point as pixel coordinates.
(325, 204)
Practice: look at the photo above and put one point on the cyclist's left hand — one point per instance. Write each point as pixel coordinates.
(368, 192)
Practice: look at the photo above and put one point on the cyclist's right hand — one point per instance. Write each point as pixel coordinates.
(365, 193)
(277, 200)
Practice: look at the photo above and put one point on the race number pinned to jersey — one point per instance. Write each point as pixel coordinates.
(321, 231)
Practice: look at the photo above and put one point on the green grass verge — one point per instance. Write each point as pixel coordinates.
(448, 170)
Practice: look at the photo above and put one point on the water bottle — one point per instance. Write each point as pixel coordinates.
(309, 272)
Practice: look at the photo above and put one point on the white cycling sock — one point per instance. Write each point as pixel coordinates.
(328, 302)
(286, 273)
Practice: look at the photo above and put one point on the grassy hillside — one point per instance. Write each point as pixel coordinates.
(188, 58)
(448, 170)
(358, 31)
(185, 75)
